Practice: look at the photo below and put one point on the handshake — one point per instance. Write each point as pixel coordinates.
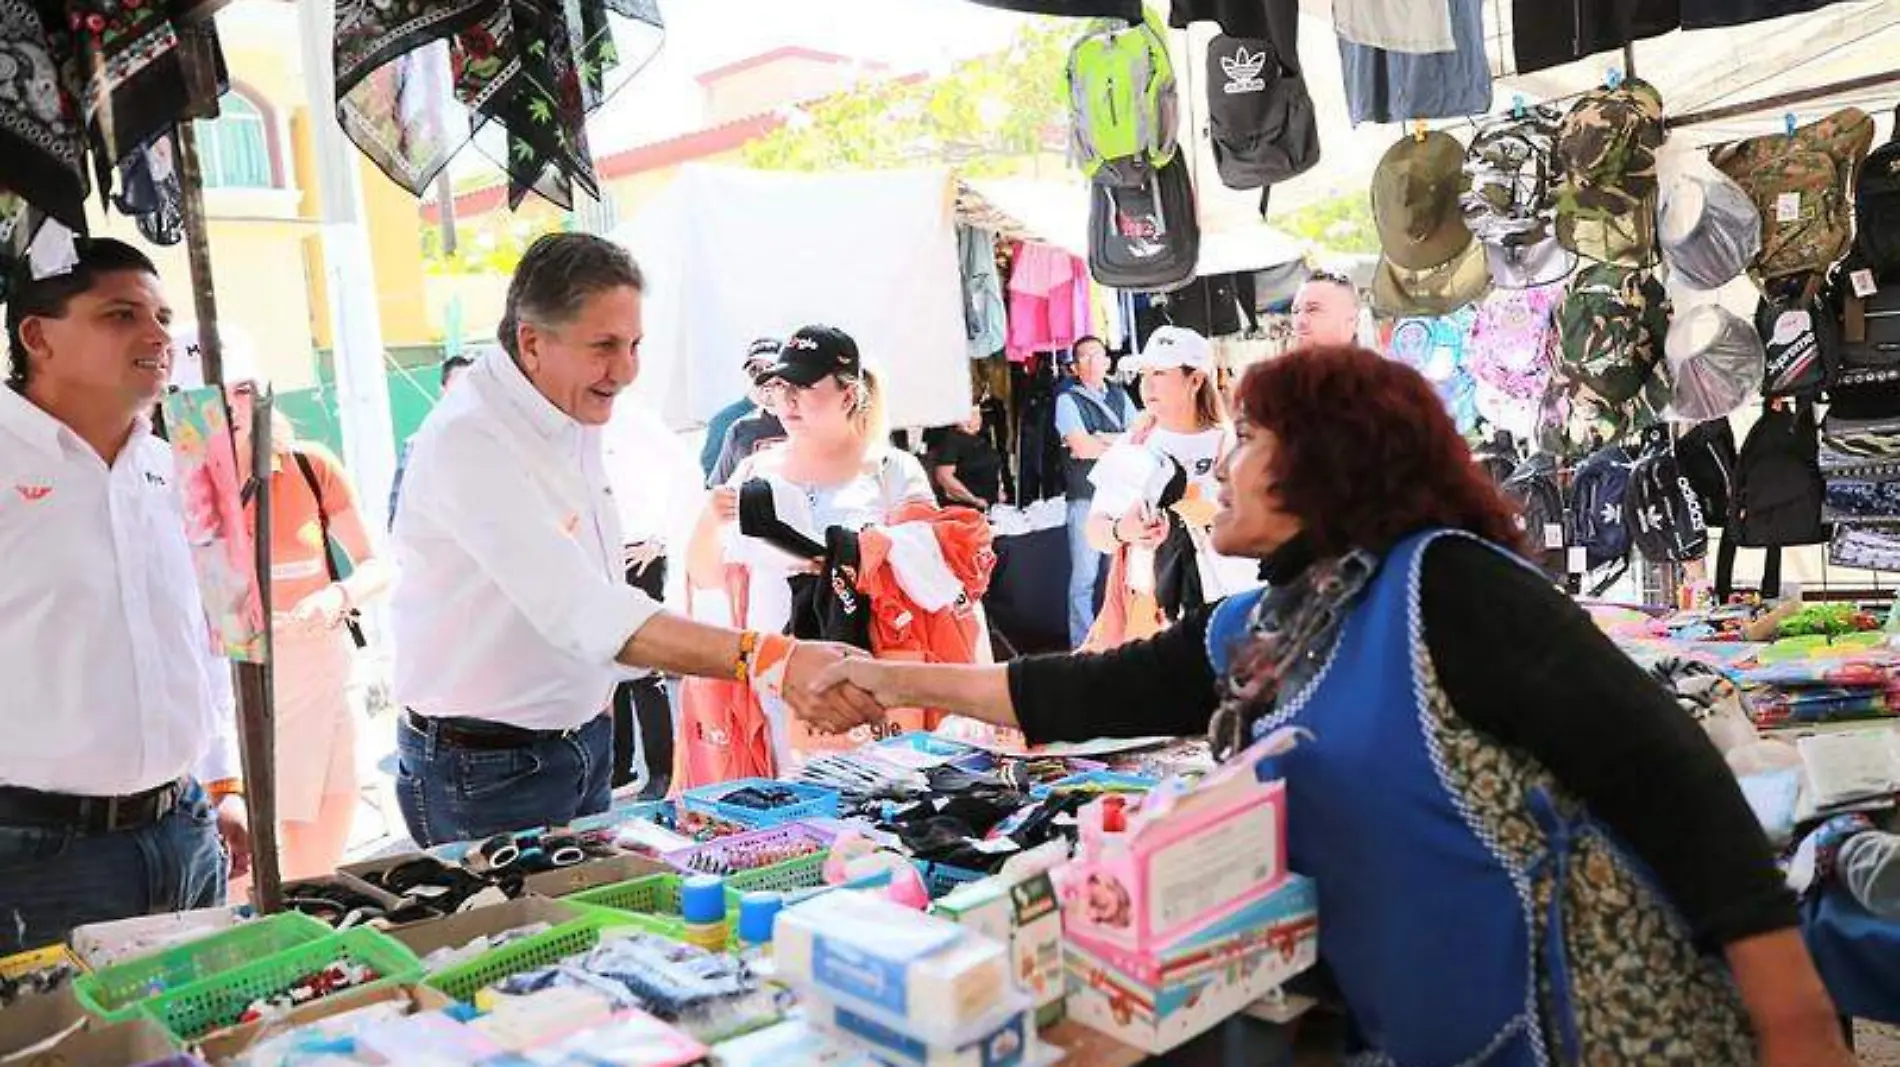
(837, 688)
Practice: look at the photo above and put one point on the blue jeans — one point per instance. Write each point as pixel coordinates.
(1085, 569)
(53, 879)
(449, 793)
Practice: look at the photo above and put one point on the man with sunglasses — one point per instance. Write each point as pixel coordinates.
(118, 776)
(1326, 311)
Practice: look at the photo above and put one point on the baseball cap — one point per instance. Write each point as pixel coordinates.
(1711, 231)
(1606, 149)
(812, 354)
(1173, 346)
(1429, 262)
(240, 358)
(1510, 169)
(760, 354)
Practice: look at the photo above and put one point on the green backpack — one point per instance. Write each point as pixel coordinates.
(1122, 100)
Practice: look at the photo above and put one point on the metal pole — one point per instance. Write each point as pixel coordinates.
(252, 681)
(1785, 101)
(362, 383)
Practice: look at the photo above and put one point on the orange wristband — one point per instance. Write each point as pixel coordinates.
(770, 664)
(742, 665)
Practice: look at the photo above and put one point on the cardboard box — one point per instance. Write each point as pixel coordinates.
(455, 931)
(1157, 1000)
(1025, 915)
(1183, 861)
(592, 875)
(230, 1044)
(61, 1034)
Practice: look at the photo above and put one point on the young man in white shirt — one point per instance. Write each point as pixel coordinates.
(511, 614)
(118, 775)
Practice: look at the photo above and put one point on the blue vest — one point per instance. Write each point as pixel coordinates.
(1425, 925)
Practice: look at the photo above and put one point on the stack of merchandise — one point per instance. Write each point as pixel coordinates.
(905, 987)
(1839, 685)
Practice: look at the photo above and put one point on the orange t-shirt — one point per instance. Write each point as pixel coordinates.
(297, 566)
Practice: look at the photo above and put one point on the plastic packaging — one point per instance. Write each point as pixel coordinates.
(1870, 865)
(703, 906)
(757, 913)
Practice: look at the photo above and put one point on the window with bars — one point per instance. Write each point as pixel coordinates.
(234, 148)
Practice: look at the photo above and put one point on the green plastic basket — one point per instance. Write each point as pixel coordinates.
(804, 872)
(655, 894)
(573, 938)
(115, 993)
(215, 1003)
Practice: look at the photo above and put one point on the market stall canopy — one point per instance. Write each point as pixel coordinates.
(1057, 213)
(738, 254)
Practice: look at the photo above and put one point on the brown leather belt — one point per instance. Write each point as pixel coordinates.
(88, 815)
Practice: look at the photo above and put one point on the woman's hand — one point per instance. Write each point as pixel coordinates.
(323, 609)
(725, 504)
(876, 680)
(1139, 528)
(1818, 1045)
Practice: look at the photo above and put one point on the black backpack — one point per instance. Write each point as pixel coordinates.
(1146, 238)
(1803, 339)
(1707, 456)
(1666, 518)
(1779, 493)
(1260, 116)
(1539, 497)
(1877, 208)
(1597, 494)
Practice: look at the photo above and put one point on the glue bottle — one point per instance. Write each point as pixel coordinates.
(757, 912)
(703, 905)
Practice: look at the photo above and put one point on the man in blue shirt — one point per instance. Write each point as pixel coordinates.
(759, 355)
(1090, 416)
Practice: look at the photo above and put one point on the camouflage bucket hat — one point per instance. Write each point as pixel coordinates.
(1512, 169)
(1610, 329)
(1606, 150)
(1435, 292)
(1415, 202)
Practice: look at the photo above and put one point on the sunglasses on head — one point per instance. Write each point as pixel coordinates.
(1332, 276)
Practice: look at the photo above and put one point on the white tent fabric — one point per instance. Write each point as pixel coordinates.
(737, 254)
(1058, 212)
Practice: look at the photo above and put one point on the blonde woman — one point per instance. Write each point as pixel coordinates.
(833, 473)
(312, 624)
(1156, 495)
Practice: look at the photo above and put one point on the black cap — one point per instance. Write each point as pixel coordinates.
(815, 353)
(759, 355)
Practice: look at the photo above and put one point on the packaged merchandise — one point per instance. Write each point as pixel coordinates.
(1026, 915)
(1006, 1038)
(921, 974)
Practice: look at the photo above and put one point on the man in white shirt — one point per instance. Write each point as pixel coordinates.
(1326, 311)
(511, 614)
(116, 709)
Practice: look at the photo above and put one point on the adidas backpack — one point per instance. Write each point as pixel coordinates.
(1534, 488)
(1877, 208)
(1145, 237)
(1122, 100)
(1666, 517)
(1259, 115)
(1597, 495)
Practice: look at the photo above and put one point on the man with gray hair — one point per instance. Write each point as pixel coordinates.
(511, 616)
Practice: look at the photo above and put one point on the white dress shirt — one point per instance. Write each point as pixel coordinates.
(510, 601)
(112, 687)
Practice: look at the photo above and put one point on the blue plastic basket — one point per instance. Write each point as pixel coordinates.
(815, 802)
(941, 878)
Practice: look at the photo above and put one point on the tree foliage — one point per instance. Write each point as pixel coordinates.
(1342, 223)
(985, 117)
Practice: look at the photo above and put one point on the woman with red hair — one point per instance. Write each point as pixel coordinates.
(1525, 853)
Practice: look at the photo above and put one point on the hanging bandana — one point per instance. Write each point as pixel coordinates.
(44, 158)
(416, 81)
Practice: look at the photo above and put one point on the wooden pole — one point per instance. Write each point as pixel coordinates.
(252, 681)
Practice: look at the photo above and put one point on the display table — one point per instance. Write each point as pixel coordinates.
(1092, 1047)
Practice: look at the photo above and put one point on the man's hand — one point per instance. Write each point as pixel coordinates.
(234, 827)
(323, 609)
(876, 680)
(840, 708)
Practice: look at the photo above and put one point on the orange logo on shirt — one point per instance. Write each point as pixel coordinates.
(33, 493)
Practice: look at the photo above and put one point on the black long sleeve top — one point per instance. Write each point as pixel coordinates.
(1520, 663)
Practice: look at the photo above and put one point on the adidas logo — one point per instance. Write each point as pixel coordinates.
(1243, 71)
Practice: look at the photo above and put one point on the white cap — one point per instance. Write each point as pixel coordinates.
(1174, 346)
(188, 369)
